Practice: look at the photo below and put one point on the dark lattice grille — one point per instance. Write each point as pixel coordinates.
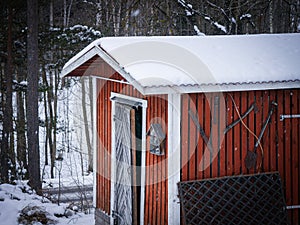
(250, 199)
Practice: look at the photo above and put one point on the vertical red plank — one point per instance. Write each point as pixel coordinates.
(251, 125)
(192, 139)
(150, 186)
(206, 127)
(99, 137)
(154, 170)
(244, 132)
(184, 136)
(288, 151)
(214, 109)
(298, 149)
(221, 142)
(158, 167)
(259, 119)
(229, 135)
(97, 145)
(266, 136)
(106, 149)
(200, 144)
(102, 146)
(297, 136)
(295, 155)
(163, 198)
(165, 171)
(281, 133)
(236, 135)
(273, 134)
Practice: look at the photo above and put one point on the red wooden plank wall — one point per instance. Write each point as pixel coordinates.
(156, 184)
(104, 137)
(156, 202)
(280, 141)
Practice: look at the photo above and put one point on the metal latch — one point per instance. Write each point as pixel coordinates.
(282, 117)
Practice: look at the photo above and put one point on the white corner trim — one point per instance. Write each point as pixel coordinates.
(95, 140)
(174, 116)
(143, 157)
(143, 163)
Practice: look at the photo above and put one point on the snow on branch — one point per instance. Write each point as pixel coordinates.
(216, 24)
(219, 8)
(190, 11)
(188, 7)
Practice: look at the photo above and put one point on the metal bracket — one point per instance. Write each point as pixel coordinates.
(282, 117)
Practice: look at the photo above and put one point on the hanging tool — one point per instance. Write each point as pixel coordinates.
(282, 117)
(201, 131)
(250, 159)
(252, 107)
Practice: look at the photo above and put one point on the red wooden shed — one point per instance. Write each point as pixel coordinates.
(173, 109)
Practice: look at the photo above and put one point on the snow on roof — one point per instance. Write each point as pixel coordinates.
(200, 63)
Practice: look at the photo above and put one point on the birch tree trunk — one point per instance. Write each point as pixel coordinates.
(271, 16)
(86, 126)
(46, 116)
(51, 17)
(69, 13)
(99, 13)
(52, 124)
(116, 18)
(65, 14)
(91, 96)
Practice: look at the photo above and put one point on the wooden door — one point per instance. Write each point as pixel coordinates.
(123, 189)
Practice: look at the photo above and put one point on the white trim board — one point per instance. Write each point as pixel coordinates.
(174, 114)
(143, 157)
(95, 140)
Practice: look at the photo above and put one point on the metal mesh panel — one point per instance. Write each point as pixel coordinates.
(255, 199)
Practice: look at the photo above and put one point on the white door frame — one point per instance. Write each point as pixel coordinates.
(143, 104)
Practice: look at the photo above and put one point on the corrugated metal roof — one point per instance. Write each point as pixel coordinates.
(200, 63)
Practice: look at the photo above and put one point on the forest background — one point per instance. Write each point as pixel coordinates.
(65, 112)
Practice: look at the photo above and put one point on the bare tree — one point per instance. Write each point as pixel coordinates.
(86, 122)
(32, 96)
(67, 13)
(20, 126)
(7, 105)
(51, 16)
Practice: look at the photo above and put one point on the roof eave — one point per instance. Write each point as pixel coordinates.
(116, 66)
(87, 54)
(184, 89)
(72, 64)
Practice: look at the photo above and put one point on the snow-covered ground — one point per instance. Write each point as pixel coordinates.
(70, 172)
(14, 198)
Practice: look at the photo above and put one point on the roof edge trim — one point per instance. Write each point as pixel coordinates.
(73, 64)
(89, 52)
(182, 89)
(116, 66)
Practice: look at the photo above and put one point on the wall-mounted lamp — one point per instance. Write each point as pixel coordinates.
(157, 139)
